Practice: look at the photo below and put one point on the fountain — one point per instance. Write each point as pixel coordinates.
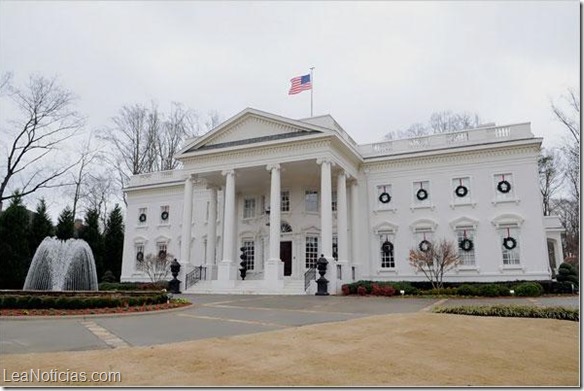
(62, 265)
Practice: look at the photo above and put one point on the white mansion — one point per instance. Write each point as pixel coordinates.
(289, 190)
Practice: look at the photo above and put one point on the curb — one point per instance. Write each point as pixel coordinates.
(24, 318)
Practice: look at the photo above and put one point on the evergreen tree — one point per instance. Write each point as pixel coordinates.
(40, 228)
(65, 224)
(90, 233)
(14, 251)
(114, 242)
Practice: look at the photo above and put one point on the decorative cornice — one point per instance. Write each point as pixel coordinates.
(454, 156)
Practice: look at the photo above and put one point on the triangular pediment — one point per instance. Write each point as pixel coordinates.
(249, 127)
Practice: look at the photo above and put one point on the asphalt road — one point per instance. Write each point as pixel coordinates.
(215, 316)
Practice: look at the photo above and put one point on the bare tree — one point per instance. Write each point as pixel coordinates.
(568, 212)
(5, 82)
(550, 179)
(176, 127)
(438, 258)
(157, 267)
(88, 155)
(439, 122)
(146, 140)
(97, 192)
(47, 120)
(447, 121)
(566, 110)
(213, 119)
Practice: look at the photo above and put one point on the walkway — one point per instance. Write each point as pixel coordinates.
(215, 316)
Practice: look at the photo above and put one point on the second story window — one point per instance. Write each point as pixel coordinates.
(142, 216)
(311, 201)
(164, 214)
(249, 205)
(285, 201)
(421, 193)
(504, 187)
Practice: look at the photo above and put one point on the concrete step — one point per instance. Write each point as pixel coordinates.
(252, 287)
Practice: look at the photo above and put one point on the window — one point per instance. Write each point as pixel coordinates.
(509, 245)
(387, 251)
(162, 247)
(311, 253)
(334, 201)
(164, 214)
(466, 245)
(311, 201)
(504, 187)
(249, 246)
(139, 255)
(285, 201)
(384, 196)
(249, 205)
(422, 193)
(207, 211)
(422, 236)
(142, 215)
(336, 248)
(461, 190)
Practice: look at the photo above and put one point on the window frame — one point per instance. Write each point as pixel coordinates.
(247, 209)
(316, 194)
(308, 261)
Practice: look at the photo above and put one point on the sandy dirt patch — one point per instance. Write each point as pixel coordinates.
(421, 349)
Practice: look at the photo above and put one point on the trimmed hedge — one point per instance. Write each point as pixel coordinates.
(529, 289)
(561, 313)
(72, 302)
(133, 286)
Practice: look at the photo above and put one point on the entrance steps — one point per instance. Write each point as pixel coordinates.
(249, 287)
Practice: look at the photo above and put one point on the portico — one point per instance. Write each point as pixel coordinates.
(281, 209)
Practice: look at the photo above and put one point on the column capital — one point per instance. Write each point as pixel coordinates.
(228, 172)
(325, 160)
(273, 166)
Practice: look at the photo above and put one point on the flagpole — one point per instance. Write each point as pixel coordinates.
(311, 88)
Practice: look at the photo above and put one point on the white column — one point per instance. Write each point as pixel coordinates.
(342, 234)
(274, 270)
(355, 256)
(326, 222)
(227, 268)
(211, 232)
(185, 246)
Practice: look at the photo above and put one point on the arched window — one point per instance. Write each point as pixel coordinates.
(285, 227)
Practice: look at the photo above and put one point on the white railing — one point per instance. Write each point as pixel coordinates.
(435, 141)
(151, 178)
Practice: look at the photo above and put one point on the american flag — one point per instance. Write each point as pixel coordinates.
(299, 84)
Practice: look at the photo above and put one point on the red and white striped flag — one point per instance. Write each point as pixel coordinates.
(299, 84)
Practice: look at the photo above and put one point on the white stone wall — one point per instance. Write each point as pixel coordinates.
(481, 168)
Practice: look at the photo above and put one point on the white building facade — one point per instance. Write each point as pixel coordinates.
(290, 191)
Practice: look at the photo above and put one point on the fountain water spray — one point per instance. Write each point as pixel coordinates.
(62, 265)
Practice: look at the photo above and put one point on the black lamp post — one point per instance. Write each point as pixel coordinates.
(322, 283)
(174, 284)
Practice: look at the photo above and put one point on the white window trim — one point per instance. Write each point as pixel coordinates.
(496, 201)
(461, 267)
(163, 223)
(318, 206)
(144, 224)
(471, 201)
(379, 207)
(430, 204)
(255, 215)
(289, 201)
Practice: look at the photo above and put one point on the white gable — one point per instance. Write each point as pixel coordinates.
(250, 128)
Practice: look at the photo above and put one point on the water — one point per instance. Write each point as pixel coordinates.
(62, 265)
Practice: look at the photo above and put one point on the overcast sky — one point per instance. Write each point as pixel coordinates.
(379, 66)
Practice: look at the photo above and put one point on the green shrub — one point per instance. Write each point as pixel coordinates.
(561, 313)
(466, 290)
(529, 289)
(35, 302)
(9, 302)
(488, 290)
(503, 290)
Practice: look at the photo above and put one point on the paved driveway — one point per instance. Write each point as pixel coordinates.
(214, 316)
